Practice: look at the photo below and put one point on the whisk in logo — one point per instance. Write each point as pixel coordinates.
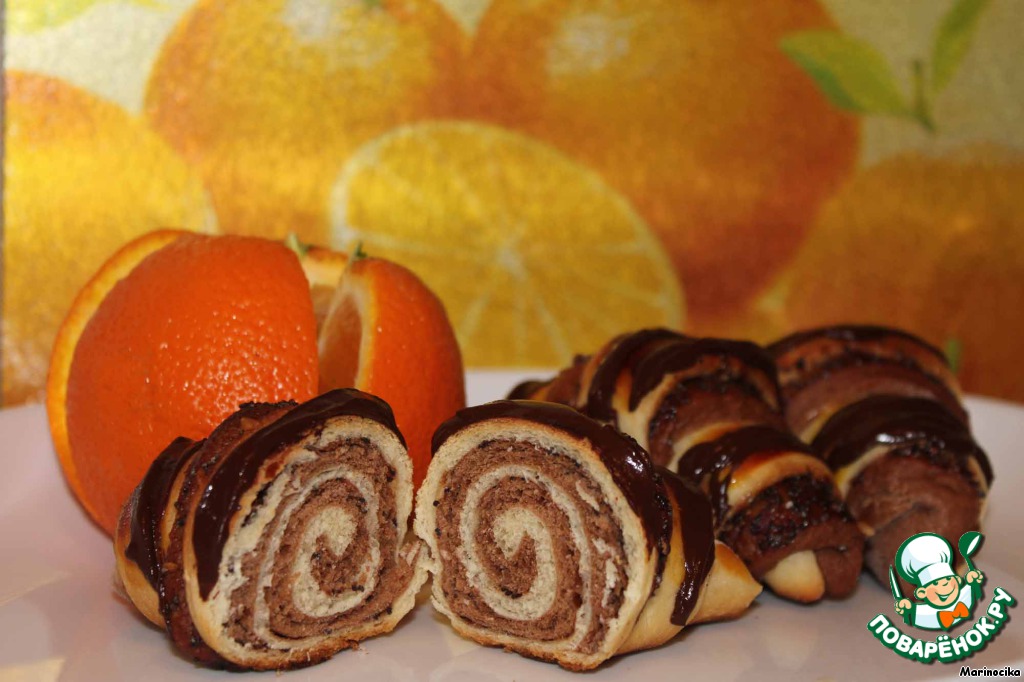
(942, 600)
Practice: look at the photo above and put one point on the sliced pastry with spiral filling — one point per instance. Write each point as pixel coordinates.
(556, 537)
(279, 540)
(882, 409)
(711, 410)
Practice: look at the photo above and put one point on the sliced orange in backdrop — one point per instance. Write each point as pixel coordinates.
(167, 340)
(535, 257)
(388, 334)
(267, 98)
(81, 178)
(688, 108)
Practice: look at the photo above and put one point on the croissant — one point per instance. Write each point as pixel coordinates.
(555, 537)
(280, 539)
(711, 410)
(823, 370)
(882, 409)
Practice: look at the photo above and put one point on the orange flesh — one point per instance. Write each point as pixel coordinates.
(340, 367)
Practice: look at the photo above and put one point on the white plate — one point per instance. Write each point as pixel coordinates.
(60, 619)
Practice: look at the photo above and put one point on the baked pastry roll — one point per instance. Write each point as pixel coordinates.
(776, 505)
(821, 371)
(280, 539)
(905, 466)
(882, 408)
(555, 537)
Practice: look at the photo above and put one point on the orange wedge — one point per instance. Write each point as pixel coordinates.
(386, 333)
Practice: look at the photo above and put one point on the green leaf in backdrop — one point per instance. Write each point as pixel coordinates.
(953, 39)
(28, 16)
(850, 72)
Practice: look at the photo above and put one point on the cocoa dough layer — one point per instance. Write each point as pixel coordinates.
(849, 378)
(173, 600)
(698, 403)
(797, 514)
(912, 490)
(335, 574)
(514, 575)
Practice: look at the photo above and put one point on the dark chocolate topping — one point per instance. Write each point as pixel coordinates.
(677, 357)
(150, 501)
(220, 500)
(851, 333)
(894, 421)
(602, 386)
(798, 513)
(905, 370)
(629, 464)
(698, 542)
(716, 459)
(527, 389)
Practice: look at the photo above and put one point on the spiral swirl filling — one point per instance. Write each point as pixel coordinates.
(529, 546)
(317, 551)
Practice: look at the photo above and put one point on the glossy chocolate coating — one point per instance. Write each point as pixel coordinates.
(150, 502)
(527, 389)
(698, 542)
(220, 500)
(850, 333)
(716, 459)
(680, 356)
(601, 392)
(629, 465)
(894, 421)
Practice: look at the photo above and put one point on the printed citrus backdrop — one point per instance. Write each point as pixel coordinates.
(556, 170)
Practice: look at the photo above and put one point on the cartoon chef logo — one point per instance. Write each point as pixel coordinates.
(944, 598)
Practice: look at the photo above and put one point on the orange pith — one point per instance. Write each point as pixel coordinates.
(192, 331)
(389, 335)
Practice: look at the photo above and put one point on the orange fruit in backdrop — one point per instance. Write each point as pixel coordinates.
(933, 244)
(175, 341)
(688, 108)
(535, 257)
(386, 333)
(268, 97)
(81, 178)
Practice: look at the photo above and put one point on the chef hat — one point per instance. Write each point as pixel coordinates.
(925, 557)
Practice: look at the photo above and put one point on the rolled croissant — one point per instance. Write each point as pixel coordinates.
(280, 539)
(776, 503)
(882, 408)
(821, 371)
(555, 537)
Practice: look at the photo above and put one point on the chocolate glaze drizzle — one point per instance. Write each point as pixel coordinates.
(601, 393)
(850, 333)
(894, 421)
(150, 501)
(524, 390)
(714, 461)
(220, 500)
(629, 465)
(698, 542)
(677, 357)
